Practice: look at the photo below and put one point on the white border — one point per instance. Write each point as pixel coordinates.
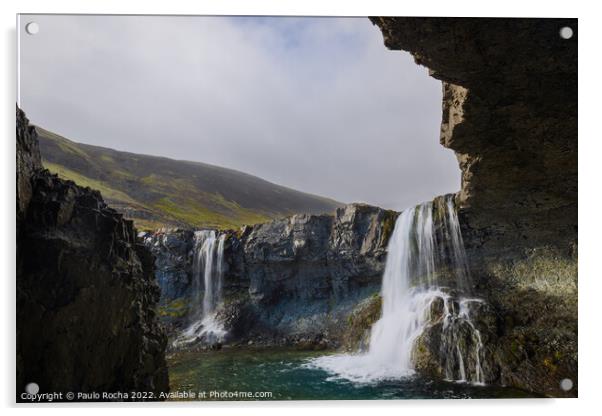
(590, 153)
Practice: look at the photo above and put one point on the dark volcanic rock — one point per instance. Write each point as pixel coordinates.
(28, 162)
(510, 114)
(287, 258)
(358, 246)
(446, 338)
(297, 277)
(172, 251)
(318, 257)
(86, 290)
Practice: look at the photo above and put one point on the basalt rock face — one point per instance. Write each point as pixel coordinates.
(310, 257)
(311, 271)
(86, 290)
(292, 280)
(510, 115)
(173, 261)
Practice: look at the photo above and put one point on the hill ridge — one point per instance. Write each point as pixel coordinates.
(157, 191)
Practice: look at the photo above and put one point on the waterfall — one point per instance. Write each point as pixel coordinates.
(412, 289)
(459, 262)
(207, 275)
(459, 339)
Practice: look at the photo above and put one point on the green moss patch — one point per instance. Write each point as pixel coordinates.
(177, 308)
(360, 320)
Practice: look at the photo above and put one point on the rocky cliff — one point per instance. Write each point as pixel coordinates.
(510, 114)
(86, 290)
(293, 280)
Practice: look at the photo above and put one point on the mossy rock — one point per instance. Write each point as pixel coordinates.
(177, 308)
(360, 321)
(388, 225)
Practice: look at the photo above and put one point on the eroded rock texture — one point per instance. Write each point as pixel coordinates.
(510, 114)
(86, 290)
(292, 280)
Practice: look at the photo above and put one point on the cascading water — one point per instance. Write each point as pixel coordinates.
(458, 255)
(410, 288)
(207, 271)
(460, 338)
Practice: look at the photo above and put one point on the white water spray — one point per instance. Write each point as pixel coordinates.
(207, 271)
(409, 289)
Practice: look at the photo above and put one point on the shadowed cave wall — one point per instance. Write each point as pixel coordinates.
(510, 114)
(86, 289)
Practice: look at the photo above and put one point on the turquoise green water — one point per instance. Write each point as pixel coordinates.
(241, 374)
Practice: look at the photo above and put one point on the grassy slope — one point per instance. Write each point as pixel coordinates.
(155, 191)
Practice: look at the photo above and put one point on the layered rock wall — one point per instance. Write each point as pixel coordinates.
(510, 114)
(296, 278)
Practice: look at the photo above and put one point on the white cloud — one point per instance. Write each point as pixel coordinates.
(317, 104)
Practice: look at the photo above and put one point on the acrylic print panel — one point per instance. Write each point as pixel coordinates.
(275, 208)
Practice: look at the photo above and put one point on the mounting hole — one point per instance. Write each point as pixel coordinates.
(32, 388)
(566, 384)
(566, 32)
(32, 28)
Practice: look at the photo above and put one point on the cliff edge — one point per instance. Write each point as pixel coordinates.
(86, 290)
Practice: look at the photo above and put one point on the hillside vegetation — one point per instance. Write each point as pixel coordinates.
(157, 191)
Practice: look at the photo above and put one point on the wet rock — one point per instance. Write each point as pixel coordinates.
(457, 345)
(173, 261)
(437, 310)
(510, 114)
(298, 275)
(356, 334)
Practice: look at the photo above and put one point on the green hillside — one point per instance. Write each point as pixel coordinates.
(156, 191)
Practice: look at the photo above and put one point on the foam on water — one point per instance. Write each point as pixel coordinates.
(207, 270)
(409, 288)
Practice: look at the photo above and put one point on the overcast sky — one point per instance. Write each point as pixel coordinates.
(316, 104)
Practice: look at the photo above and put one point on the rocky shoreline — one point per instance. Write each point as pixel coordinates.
(313, 283)
(86, 291)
